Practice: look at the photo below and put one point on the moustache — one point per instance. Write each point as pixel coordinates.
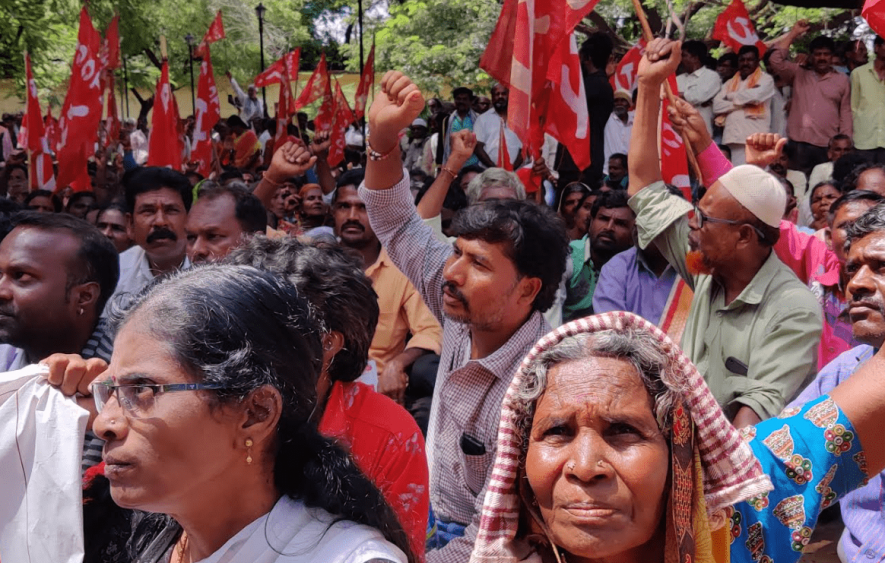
(161, 233)
(352, 224)
(870, 303)
(450, 288)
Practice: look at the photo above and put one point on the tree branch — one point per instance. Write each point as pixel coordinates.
(153, 58)
(602, 25)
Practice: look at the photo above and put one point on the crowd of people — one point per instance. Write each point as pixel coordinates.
(417, 356)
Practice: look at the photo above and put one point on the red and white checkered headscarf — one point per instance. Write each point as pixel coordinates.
(731, 473)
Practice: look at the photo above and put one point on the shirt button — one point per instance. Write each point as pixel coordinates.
(870, 554)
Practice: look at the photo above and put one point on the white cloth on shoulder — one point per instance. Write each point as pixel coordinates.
(41, 447)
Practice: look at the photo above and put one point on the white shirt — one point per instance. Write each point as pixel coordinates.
(249, 108)
(353, 137)
(739, 124)
(820, 173)
(135, 272)
(699, 88)
(488, 132)
(139, 143)
(616, 137)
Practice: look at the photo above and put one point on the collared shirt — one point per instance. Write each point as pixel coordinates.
(738, 123)
(821, 105)
(488, 132)
(863, 510)
(468, 393)
(772, 327)
(402, 312)
(617, 137)
(135, 273)
(249, 108)
(868, 107)
(626, 283)
(699, 88)
(582, 283)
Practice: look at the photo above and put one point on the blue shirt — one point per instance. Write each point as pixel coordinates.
(813, 457)
(626, 283)
(863, 511)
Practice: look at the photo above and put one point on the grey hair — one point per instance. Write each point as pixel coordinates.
(129, 122)
(639, 348)
(870, 222)
(494, 177)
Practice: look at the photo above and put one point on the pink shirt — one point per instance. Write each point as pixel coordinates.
(811, 260)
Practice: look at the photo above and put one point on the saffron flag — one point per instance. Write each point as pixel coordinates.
(874, 12)
(625, 74)
(112, 40)
(164, 148)
(526, 36)
(208, 114)
(81, 111)
(317, 86)
(367, 81)
(213, 34)
(285, 108)
(674, 166)
(273, 74)
(566, 116)
(734, 28)
(343, 118)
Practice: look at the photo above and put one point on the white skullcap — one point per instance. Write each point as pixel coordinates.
(419, 123)
(758, 191)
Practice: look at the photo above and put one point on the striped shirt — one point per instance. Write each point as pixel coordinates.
(863, 510)
(468, 393)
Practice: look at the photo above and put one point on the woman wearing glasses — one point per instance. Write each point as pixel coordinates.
(205, 410)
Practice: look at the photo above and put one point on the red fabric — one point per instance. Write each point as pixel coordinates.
(343, 119)
(213, 34)
(273, 74)
(674, 164)
(208, 114)
(367, 81)
(53, 131)
(81, 111)
(285, 107)
(531, 182)
(388, 448)
(326, 115)
(112, 40)
(624, 77)
(164, 148)
(735, 29)
(874, 12)
(33, 138)
(567, 118)
(317, 85)
(113, 120)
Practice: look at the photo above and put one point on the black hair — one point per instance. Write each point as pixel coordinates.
(619, 156)
(851, 197)
(878, 40)
(236, 121)
(243, 329)
(533, 236)
(872, 221)
(56, 202)
(96, 261)
(462, 90)
(612, 199)
(114, 205)
(729, 57)
(838, 137)
(152, 178)
(10, 167)
(850, 181)
(77, 196)
(725, 149)
(598, 49)
(231, 174)
(248, 209)
(352, 177)
(749, 49)
(695, 48)
(818, 186)
(822, 42)
(789, 185)
(843, 167)
(573, 188)
(333, 282)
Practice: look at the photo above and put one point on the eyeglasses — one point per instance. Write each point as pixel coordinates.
(138, 399)
(702, 218)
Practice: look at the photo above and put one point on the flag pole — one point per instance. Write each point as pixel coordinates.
(649, 36)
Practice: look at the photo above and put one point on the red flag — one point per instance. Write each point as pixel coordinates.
(113, 120)
(674, 166)
(317, 86)
(343, 119)
(208, 114)
(213, 34)
(566, 116)
(734, 28)
(285, 108)
(874, 12)
(164, 149)
(326, 115)
(53, 131)
(273, 74)
(367, 81)
(519, 51)
(34, 133)
(625, 75)
(112, 39)
(81, 111)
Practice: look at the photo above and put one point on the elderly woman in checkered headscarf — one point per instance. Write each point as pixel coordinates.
(611, 448)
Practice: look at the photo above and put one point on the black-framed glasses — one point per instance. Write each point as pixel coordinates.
(704, 218)
(137, 399)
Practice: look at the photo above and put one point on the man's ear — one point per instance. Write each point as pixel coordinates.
(85, 295)
(529, 288)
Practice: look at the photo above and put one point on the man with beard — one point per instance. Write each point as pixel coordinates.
(488, 132)
(407, 340)
(158, 200)
(222, 218)
(488, 290)
(753, 328)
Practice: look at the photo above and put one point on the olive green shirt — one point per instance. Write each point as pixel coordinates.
(773, 327)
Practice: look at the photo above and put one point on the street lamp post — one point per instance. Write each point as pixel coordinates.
(189, 39)
(259, 11)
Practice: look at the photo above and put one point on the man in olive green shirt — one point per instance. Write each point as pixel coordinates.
(753, 328)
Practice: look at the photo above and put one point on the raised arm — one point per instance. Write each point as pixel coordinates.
(463, 143)
(660, 61)
(778, 61)
(289, 161)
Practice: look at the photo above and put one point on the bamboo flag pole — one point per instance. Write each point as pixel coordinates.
(648, 35)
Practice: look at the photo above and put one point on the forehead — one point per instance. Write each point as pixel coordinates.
(138, 351)
(221, 209)
(112, 216)
(718, 199)
(851, 211)
(871, 245)
(348, 194)
(48, 247)
(616, 212)
(873, 180)
(842, 143)
(498, 89)
(160, 196)
(313, 192)
(748, 57)
(493, 251)
(497, 191)
(609, 384)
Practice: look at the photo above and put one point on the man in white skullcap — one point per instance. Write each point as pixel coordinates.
(414, 144)
(753, 327)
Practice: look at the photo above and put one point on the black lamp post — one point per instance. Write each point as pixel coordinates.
(189, 39)
(259, 11)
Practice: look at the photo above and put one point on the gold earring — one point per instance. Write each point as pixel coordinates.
(249, 453)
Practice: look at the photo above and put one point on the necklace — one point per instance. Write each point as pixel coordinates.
(182, 547)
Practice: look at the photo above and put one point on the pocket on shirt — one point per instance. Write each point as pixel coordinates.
(476, 468)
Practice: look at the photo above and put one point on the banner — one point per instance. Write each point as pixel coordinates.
(213, 34)
(208, 114)
(566, 116)
(734, 28)
(343, 119)
(674, 163)
(164, 148)
(288, 63)
(317, 87)
(367, 81)
(624, 77)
